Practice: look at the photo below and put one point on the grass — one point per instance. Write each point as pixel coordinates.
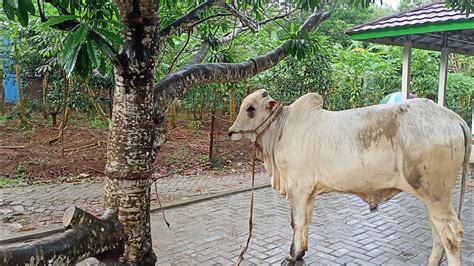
(3, 119)
(14, 180)
(98, 123)
(10, 182)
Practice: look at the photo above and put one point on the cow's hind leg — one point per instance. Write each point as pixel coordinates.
(449, 229)
(437, 249)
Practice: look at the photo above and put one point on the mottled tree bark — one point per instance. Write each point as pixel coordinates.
(85, 235)
(130, 150)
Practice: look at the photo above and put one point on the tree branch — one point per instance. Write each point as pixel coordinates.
(201, 54)
(175, 85)
(85, 236)
(180, 52)
(243, 19)
(186, 20)
(213, 16)
(65, 25)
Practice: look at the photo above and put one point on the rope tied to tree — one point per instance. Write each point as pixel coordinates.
(256, 147)
(150, 182)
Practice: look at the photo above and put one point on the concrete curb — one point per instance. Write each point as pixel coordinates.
(47, 231)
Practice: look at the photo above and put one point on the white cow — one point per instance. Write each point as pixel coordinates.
(374, 152)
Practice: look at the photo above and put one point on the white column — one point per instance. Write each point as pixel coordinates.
(406, 69)
(443, 76)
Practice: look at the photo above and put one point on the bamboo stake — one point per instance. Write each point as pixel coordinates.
(21, 96)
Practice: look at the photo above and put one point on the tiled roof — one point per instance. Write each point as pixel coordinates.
(429, 14)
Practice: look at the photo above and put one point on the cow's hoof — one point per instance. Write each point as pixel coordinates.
(292, 261)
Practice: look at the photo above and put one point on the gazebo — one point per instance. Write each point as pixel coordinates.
(432, 27)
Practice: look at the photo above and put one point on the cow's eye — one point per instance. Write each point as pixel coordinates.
(251, 111)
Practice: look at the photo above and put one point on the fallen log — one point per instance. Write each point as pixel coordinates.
(85, 236)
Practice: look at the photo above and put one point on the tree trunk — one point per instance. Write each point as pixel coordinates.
(21, 97)
(54, 118)
(232, 105)
(211, 136)
(109, 104)
(135, 131)
(174, 114)
(2, 94)
(44, 89)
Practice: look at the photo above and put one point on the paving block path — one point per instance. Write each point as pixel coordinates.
(33, 207)
(343, 231)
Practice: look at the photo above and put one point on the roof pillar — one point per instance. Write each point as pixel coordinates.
(443, 76)
(406, 69)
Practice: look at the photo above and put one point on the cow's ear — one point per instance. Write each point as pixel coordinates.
(272, 104)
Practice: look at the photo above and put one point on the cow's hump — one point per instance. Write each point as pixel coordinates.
(309, 101)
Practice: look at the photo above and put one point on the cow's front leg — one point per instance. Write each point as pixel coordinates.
(299, 223)
(309, 216)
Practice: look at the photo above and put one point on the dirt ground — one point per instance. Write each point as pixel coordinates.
(185, 153)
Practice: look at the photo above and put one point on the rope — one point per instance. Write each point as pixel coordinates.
(159, 202)
(242, 253)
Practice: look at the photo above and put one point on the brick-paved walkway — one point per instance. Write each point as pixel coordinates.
(41, 205)
(343, 231)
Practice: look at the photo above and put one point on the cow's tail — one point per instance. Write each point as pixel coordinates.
(465, 165)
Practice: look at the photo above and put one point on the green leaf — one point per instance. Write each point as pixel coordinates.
(110, 36)
(71, 62)
(29, 6)
(13, 3)
(114, 23)
(171, 43)
(92, 54)
(274, 36)
(104, 48)
(8, 9)
(82, 64)
(292, 28)
(80, 33)
(72, 47)
(22, 14)
(59, 19)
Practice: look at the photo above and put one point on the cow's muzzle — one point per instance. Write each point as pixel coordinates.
(234, 135)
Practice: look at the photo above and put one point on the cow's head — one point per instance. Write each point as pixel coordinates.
(255, 108)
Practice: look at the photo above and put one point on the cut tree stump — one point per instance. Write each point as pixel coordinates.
(85, 236)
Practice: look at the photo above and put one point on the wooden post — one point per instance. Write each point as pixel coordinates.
(406, 70)
(211, 136)
(232, 105)
(2, 93)
(44, 90)
(443, 76)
